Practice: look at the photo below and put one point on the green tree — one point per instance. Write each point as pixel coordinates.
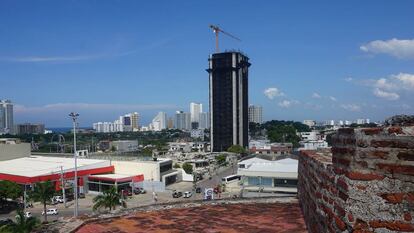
(22, 224)
(283, 133)
(10, 190)
(43, 192)
(109, 199)
(146, 151)
(221, 159)
(188, 168)
(236, 149)
(176, 165)
(254, 128)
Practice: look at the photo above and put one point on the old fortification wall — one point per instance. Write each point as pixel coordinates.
(365, 185)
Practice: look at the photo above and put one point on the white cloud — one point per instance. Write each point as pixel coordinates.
(50, 59)
(273, 92)
(391, 87)
(386, 95)
(313, 106)
(332, 98)
(407, 80)
(394, 47)
(349, 79)
(351, 107)
(58, 107)
(316, 96)
(384, 83)
(85, 57)
(287, 103)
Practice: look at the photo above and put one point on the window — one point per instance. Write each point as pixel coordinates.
(93, 187)
(266, 181)
(285, 183)
(166, 167)
(253, 181)
(242, 165)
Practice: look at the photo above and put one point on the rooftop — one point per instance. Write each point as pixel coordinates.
(283, 165)
(257, 217)
(40, 165)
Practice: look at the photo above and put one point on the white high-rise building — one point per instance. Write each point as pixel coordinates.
(309, 123)
(6, 117)
(182, 120)
(159, 122)
(204, 120)
(256, 114)
(195, 110)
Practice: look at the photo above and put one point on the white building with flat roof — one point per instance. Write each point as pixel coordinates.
(309, 123)
(159, 122)
(274, 176)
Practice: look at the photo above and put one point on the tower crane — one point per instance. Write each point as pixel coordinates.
(216, 31)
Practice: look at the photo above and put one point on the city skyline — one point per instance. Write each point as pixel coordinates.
(347, 67)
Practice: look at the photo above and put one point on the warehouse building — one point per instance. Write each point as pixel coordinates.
(30, 170)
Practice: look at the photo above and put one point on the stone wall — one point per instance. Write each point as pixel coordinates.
(365, 185)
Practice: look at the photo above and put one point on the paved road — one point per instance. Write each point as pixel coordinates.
(216, 179)
(85, 205)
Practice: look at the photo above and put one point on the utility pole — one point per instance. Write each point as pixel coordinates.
(25, 199)
(74, 117)
(63, 186)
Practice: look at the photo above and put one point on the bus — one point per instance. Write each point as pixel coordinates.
(230, 178)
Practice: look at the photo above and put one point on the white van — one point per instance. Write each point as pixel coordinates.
(53, 211)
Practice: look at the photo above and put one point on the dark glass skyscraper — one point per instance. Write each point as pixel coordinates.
(228, 74)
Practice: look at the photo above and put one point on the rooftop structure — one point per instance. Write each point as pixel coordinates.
(40, 168)
(278, 175)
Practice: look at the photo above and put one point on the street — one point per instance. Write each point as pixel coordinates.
(216, 178)
(86, 204)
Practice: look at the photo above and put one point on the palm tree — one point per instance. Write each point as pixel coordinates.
(43, 192)
(110, 198)
(22, 224)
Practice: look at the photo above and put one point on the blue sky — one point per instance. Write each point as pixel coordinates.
(310, 60)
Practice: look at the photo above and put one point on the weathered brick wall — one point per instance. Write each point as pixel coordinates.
(366, 186)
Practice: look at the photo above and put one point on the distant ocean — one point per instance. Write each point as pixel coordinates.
(64, 129)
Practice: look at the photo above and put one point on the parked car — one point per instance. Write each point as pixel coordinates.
(70, 197)
(5, 221)
(139, 191)
(58, 199)
(177, 194)
(29, 205)
(126, 192)
(26, 215)
(188, 194)
(53, 211)
(216, 190)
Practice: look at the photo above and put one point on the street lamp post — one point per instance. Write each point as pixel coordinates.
(74, 117)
